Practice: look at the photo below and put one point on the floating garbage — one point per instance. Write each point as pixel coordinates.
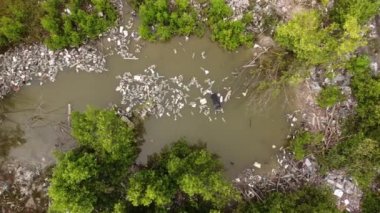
(257, 165)
(23, 64)
(153, 94)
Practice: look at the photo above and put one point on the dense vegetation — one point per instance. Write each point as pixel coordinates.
(69, 23)
(19, 22)
(315, 43)
(163, 19)
(60, 23)
(304, 200)
(230, 34)
(189, 174)
(88, 178)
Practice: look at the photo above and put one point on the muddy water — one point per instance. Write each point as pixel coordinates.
(244, 137)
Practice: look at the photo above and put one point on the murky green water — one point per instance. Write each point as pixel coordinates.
(244, 138)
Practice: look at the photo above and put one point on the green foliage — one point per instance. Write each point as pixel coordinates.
(305, 37)
(228, 33)
(162, 21)
(362, 10)
(70, 23)
(312, 42)
(371, 202)
(181, 169)
(366, 89)
(330, 96)
(90, 177)
(18, 22)
(306, 143)
(105, 133)
(71, 186)
(304, 200)
(352, 154)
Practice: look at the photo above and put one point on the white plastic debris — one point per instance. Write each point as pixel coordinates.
(273, 146)
(257, 165)
(203, 54)
(203, 101)
(256, 46)
(346, 202)
(338, 193)
(245, 93)
(137, 78)
(307, 162)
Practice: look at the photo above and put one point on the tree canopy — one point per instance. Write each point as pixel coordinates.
(91, 176)
(182, 170)
(70, 23)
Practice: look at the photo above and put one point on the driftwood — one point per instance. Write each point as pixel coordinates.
(290, 175)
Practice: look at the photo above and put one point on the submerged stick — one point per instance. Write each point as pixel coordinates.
(69, 114)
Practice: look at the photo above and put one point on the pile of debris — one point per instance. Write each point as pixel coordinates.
(153, 94)
(345, 189)
(289, 175)
(23, 188)
(238, 7)
(21, 65)
(316, 119)
(123, 38)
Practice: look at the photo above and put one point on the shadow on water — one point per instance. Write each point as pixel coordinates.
(11, 135)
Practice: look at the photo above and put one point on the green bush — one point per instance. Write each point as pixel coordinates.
(305, 36)
(366, 89)
(19, 22)
(370, 202)
(70, 23)
(228, 33)
(330, 96)
(183, 169)
(306, 143)
(363, 10)
(304, 200)
(90, 177)
(161, 21)
(352, 154)
(317, 43)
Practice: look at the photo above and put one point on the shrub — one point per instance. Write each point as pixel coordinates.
(19, 22)
(314, 43)
(362, 10)
(307, 199)
(306, 143)
(162, 21)
(90, 177)
(228, 33)
(70, 23)
(330, 96)
(352, 154)
(304, 36)
(366, 89)
(183, 169)
(370, 202)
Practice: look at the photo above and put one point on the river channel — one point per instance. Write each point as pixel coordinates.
(240, 136)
